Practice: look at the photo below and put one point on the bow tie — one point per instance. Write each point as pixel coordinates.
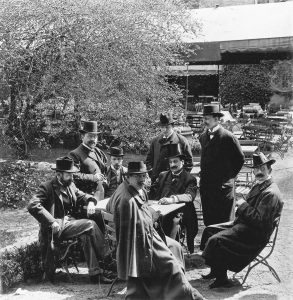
(211, 133)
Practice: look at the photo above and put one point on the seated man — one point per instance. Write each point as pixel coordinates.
(175, 186)
(115, 173)
(54, 206)
(144, 260)
(232, 246)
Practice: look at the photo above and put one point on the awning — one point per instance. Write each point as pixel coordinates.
(262, 29)
(192, 70)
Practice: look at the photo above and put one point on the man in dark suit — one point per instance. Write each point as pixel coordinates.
(91, 160)
(55, 206)
(156, 159)
(175, 186)
(221, 160)
(115, 173)
(233, 245)
(144, 258)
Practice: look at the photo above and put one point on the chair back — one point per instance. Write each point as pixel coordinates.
(110, 232)
(274, 235)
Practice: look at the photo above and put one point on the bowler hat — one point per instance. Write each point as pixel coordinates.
(89, 127)
(136, 167)
(174, 150)
(65, 164)
(212, 110)
(116, 151)
(166, 119)
(260, 159)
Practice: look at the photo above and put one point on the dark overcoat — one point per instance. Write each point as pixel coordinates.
(47, 207)
(112, 182)
(89, 163)
(156, 159)
(221, 160)
(235, 247)
(185, 184)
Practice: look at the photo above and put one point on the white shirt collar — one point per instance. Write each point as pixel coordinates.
(166, 137)
(262, 181)
(87, 147)
(177, 174)
(215, 128)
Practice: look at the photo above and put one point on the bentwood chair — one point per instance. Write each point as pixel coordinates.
(266, 253)
(110, 236)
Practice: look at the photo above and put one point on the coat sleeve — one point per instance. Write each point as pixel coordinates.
(263, 215)
(236, 155)
(83, 198)
(36, 206)
(188, 155)
(189, 193)
(79, 175)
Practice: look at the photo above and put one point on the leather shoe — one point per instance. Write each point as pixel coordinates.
(220, 282)
(211, 275)
(99, 278)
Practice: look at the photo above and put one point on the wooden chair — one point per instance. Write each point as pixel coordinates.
(262, 258)
(110, 236)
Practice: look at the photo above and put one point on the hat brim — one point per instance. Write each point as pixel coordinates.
(179, 155)
(95, 132)
(161, 124)
(72, 170)
(214, 114)
(140, 172)
(115, 155)
(269, 162)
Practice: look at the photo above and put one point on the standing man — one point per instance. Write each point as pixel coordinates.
(156, 159)
(233, 245)
(178, 186)
(144, 259)
(91, 160)
(55, 206)
(115, 173)
(221, 160)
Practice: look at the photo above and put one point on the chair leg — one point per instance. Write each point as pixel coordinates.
(65, 266)
(109, 292)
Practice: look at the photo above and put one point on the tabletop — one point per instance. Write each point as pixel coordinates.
(164, 209)
(248, 149)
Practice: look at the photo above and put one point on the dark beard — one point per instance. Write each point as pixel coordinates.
(66, 183)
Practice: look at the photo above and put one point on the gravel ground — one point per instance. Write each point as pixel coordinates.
(259, 285)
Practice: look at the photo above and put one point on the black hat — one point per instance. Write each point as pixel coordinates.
(260, 159)
(212, 110)
(65, 164)
(174, 150)
(116, 151)
(166, 119)
(89, 127)
(136, 167)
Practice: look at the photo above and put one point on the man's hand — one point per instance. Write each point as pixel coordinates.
(98, 177)
(239, 202)
(91, 208)
(166, 200)
(55, 227)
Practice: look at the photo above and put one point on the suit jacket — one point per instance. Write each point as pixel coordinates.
(90, 163)
(221, 158)
(134, 232)
(185, 189)
(251, 230)
(46, 206)
(112, 182)
(157, 159)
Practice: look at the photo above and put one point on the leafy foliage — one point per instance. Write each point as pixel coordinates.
(19, 181)
(106, 57)
(243, 84)
(20, 264)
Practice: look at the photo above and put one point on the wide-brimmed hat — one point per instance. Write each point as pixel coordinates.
(65, 164)
(136, 167)
(166, 119)
(260, 159)
(174, 150)
(212, 110)
(116, 151)
(89, 127)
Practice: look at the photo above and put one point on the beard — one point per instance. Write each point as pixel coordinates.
(66, 183)
(91, 144)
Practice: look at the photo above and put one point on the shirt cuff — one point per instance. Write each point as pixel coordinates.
(175, 199)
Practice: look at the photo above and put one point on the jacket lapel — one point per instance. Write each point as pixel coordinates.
(181, 181)
(57, 189)
(257, 189)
